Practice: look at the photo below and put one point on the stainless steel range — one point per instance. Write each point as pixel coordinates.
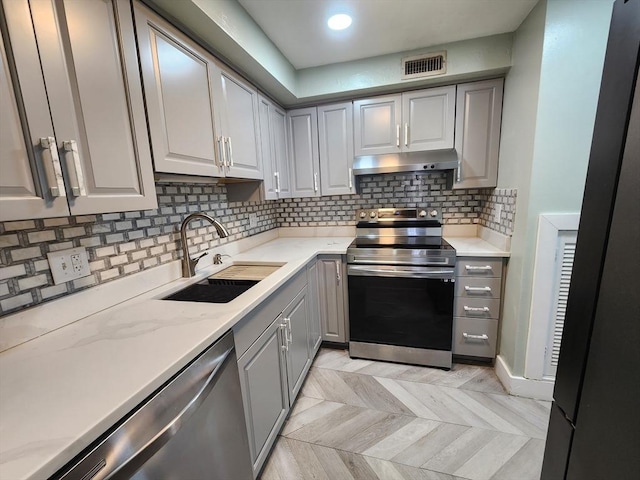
(401, 287)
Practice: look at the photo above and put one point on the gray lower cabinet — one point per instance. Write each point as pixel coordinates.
(265, 395)
(273, 367)
(477, 306)
(295, 318)
(333, 298)
(313, 288)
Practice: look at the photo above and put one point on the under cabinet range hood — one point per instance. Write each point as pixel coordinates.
(406, 162)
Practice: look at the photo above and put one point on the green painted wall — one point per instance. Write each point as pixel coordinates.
(569, 83)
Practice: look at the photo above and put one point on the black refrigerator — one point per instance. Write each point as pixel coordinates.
(594, 427)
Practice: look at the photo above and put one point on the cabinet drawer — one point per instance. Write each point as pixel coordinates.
(475, 337)
(478, 287)
(479, 267)
(480, 308)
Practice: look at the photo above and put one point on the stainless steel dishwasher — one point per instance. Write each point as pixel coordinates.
(193, 428)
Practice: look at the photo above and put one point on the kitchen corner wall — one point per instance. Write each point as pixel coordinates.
(124, 243)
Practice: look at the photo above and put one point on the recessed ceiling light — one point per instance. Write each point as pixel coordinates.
(339, 21)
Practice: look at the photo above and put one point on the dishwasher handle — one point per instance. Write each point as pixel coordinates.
(135, 461)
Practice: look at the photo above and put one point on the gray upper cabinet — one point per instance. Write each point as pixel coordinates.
(28, 182)
(408, 122)
(203, 118)
(273, 141)
(237, 117)
(177, 77)
(335, 133)
(99, 157)
(331, 277)
(478, 118)
(428, 119)
(376, 125)
(302, 136)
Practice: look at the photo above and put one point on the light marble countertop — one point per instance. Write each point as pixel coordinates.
(61, 391)
(475, 247)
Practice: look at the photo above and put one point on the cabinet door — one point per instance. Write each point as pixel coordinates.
(295, 317)
(332, 309)
(302, 129)
(269, 167)
(29, 187)
(376, 125)
(273, 143)
(263, 382)
(478, 117)
(280, 153)
(90, 66)
(315, 332)
(177, 78)
(335, 133)
(237, 103)
(428, 119)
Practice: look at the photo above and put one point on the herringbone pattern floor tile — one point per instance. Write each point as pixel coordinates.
(360, 419)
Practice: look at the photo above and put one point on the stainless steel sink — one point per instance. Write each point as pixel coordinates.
(212, 290)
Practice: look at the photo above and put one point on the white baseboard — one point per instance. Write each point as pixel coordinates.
(521, 386)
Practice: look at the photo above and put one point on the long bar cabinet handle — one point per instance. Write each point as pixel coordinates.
(78, 188)
(398, 135)
(471, 336)
(221, 154)
(277, 177)
(477, 268)
(230, 152)
(476, 309)
(52, 169)
(350, 178)
(406, 134)
(469, 289)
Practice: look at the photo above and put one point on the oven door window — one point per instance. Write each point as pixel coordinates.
(409, 312)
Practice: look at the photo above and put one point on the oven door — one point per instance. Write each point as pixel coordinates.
(401, 305)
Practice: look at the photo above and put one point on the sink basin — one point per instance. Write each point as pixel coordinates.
(212, 290)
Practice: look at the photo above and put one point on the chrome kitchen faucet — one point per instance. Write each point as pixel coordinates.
(189, 264)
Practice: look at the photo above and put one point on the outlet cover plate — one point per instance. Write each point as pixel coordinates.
(253, 220)
(67, 265)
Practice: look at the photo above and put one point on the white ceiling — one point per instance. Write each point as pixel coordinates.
(299, 27)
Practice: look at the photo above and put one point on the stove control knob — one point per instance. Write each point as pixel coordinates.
(372, 214)
(433, 213)
(422, 214)
(363, 214)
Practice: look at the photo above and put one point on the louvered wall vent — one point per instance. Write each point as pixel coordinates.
(424, 65)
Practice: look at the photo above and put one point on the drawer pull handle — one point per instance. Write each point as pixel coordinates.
(469, 289)
(476, 309)
(473, 268)
(470, 336)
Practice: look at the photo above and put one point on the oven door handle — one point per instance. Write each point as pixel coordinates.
(372, 271)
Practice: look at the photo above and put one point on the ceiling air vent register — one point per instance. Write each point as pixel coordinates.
(424, 65)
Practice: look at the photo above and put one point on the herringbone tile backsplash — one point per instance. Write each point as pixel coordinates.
(123, 243)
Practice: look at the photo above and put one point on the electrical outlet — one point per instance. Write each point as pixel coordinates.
(497, 213)
(253, 220)
(67, 265)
